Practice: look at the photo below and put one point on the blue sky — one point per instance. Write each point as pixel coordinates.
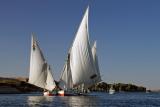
(127, 34)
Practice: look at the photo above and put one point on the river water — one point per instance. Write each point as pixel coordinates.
(94, 100)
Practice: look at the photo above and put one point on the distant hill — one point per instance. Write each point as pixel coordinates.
(17, 85)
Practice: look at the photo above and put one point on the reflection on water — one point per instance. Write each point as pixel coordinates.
(39, 100)
(79, 101)
(71, 101)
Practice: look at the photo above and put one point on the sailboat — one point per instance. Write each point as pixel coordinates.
(111, 90)
(40, 71)
(81, 67)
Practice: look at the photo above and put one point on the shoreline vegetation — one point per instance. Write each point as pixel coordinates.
(20, 85)
(118, 87)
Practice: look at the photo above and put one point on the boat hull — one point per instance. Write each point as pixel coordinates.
(64, 93)
(111, 91)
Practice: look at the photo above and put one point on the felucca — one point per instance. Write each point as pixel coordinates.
(81, 68)
(40, 72)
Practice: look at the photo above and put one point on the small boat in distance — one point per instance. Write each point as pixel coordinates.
(111, 90)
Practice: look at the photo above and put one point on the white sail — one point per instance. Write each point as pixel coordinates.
(39, 73)
(50, 83)
(66, 76)
(81, 59)
(95, 58)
